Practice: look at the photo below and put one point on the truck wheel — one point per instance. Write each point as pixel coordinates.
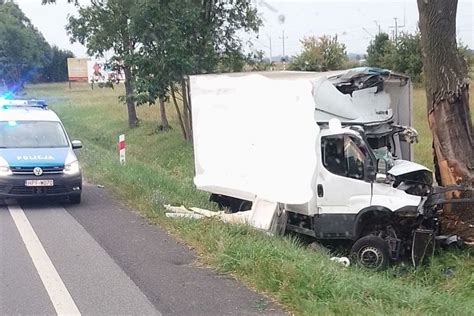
(371, 252)
(75, 199)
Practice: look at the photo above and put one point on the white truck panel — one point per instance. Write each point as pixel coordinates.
(254, 136)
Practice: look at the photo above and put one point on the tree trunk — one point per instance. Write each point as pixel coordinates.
(447, 99)
(180, 117)
(164, 125)
(187, 118)
(132, 113)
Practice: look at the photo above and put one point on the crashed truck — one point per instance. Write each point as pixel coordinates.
(326, 155)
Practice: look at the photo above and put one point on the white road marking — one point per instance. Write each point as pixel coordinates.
(57, 291)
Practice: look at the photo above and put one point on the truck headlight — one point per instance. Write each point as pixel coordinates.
(4, 167)
(71, 165)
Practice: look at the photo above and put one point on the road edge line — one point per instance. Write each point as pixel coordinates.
(58, 293)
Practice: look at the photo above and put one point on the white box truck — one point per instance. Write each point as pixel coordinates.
(330, 151)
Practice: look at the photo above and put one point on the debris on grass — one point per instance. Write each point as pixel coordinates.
(342, 260)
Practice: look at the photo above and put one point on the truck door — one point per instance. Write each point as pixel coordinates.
(341, 187)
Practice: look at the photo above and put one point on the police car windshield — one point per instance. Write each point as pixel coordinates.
(32, 134)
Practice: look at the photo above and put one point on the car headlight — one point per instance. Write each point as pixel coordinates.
(71, 165)
(4, 167)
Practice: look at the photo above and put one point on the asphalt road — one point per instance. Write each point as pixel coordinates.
(101, 258)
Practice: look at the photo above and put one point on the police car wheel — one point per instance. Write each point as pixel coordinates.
(75, 199)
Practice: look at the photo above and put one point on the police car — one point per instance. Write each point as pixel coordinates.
(37, 158)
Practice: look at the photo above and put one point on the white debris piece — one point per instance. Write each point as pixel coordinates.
(263, 215)
(177, 209)
(204, 212)
(184, 215)
(236, 218)
(342, 260)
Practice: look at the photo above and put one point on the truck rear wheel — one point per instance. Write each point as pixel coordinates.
(371, 252)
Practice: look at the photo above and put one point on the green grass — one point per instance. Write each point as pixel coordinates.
(159, 170)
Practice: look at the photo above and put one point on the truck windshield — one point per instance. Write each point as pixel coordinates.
(32, 134)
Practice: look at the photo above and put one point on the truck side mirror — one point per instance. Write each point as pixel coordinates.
(369, 170)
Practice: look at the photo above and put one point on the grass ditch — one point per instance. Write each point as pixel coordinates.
(159, 170)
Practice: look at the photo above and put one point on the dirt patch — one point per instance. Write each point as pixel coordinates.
(459, 219)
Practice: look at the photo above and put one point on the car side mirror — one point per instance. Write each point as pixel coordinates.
(76, 144)
(370, 172)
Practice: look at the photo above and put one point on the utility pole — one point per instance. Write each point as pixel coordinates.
(396, 27)
(283, 42)
(270, 40)
(378, 26)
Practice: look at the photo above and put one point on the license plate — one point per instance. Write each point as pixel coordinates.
(39, 183)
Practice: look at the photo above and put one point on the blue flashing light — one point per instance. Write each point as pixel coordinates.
(12, 123)
(6, 103)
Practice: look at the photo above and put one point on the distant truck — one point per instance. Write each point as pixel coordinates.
(330, 151)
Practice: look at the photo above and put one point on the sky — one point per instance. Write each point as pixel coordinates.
(355, 22)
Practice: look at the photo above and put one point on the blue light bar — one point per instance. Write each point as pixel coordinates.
(6, 103)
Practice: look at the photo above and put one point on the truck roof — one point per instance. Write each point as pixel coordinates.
(27, 114)
(311, 75)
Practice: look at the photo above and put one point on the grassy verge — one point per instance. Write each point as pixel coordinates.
(159, 170)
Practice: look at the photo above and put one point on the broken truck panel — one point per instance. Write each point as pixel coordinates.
(308, 145)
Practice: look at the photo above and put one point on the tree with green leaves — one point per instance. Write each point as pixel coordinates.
(56, 69)
(379, 52)
(407, 57)
(185, 37)
(105, 26)
(23, 50)
(320, 54)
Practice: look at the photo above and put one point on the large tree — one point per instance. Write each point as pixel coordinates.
(186, 37)
(104, 26)
(447, 97)
(23, 50)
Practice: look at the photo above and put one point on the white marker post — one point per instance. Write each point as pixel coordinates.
(121, 147)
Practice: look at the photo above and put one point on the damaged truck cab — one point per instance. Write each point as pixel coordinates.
(355, 202)
(322, 154)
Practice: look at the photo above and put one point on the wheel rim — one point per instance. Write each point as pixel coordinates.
(371, 257)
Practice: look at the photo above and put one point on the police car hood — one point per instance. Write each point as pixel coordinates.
(35, 157)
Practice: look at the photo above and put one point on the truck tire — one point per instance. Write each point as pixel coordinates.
(371, 252)
(75, 199)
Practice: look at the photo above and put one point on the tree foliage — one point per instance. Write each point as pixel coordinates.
(320, 54)
(407, 56)
(158, 43)
(379, 52)
(402, 54)
(23, 50)
(56, 69)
